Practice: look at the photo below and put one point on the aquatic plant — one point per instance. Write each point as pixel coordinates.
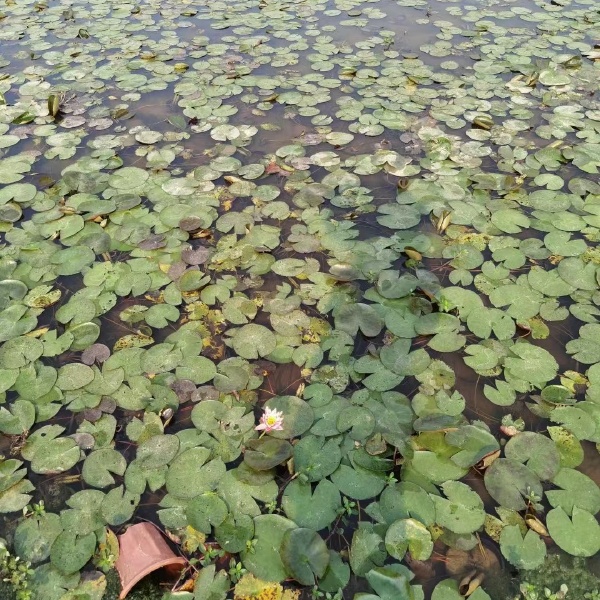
(563, 577)
(230, 211)
(271, 420)
(16, 574)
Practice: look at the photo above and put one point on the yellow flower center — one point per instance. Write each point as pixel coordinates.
(271, 420)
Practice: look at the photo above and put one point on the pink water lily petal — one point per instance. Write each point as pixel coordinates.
(271, 420)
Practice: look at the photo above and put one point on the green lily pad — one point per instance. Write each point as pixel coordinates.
(578, 535)
(70, 552)
(304, 555)
(265, 453)
(536, 451)
(19, 418)
(234, 533)
(314, 509)
(393, 582)
(358, 421)
(408, 535)
(352, 317)
(462, 509)
(367, 550)
(99, 465)
(85, 515)
(406, 499)
(74, 376)
(158, 451)
(118, 506)
(198, 369)
(298, 416)
(50, 583)
(206, 510)
(531, 363)
(524, 552)
(316, 457)
(577, 273)
(448, 590)
(568, 446)
(252, 341)
(436, 468)
(16, 497)
(55, 456)
(474, 442)
(586, 348)
(575, 490)
(552, 77)
(211, 584)
(190, 474)
(337, 574)
(357, 483)
(576, 420)
(34, 537)
(265, 560)
(509, 481)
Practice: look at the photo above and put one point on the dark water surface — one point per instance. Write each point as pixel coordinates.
(225, 111)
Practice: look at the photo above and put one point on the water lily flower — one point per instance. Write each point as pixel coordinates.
(271, 420)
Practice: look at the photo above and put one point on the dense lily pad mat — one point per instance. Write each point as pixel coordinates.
(386, 236)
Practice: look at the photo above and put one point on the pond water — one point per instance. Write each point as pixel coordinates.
(378, 219)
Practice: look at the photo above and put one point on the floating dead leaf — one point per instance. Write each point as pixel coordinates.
(153, 242)
(509, 430)
(483, 122)
(443, 221)
(195, 256)
(205, 392)
(53, 104)
(166, 415)
(274, 169)
(107, 405)
(134, 340)
(487, 460)
(423, 569)
(376, 445)
(95, 353)
(91, 414)
(470, 582)
(403, 183)
(38, 332)
(85, 441)
(412, 253)
(534, 523)
(184, 388)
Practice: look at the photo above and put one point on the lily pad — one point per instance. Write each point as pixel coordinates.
(578, 535)
(524, 552)
(304, 554)
(70, 552)
(313, 509)
(265, 560)
(408, 535)
(509, 482)
(34, 537)
(99, 465)
(252, 341)
(298, 416)
(575, 490)
(190, 474)
(266, 453)
(461, 511)
(536, 451)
